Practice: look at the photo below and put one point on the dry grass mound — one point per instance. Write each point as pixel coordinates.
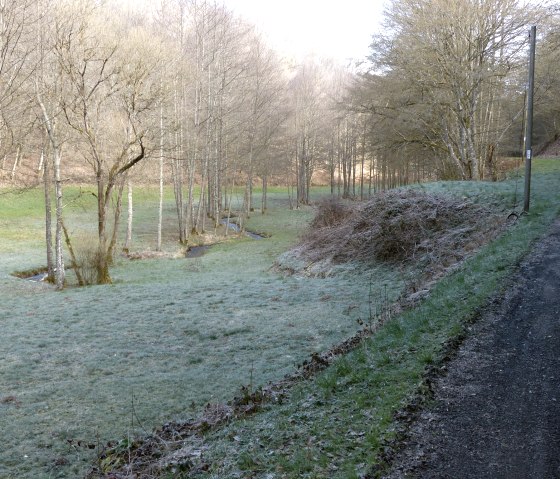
(399, 226)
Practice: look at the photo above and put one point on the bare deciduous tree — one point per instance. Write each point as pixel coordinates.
(109, 92)
(450, 59)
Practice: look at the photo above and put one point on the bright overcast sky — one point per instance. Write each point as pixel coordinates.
(340, 29)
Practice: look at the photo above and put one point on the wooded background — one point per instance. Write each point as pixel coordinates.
(192, 96)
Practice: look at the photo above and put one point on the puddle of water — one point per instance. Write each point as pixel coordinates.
(38, 277)
(196, 251)
(254, 235)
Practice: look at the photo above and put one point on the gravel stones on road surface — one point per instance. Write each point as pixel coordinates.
(496, 413)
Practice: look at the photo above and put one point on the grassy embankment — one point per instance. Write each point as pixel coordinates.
(336, 425)
(174, 334)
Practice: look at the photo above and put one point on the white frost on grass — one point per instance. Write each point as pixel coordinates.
(96, 363)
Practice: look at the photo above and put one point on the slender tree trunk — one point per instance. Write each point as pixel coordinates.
(264, 205)
(363, 161)
(160, 210)
(128, 241)
(345, 188)
(248, 196)
(116, 221)
(48, 219)
(354, 161)
(59, 273)
(178, 165)
(179, 202)
(16, 163)
(297, 174)
(339, 168)
(41, 162)
(371, 172)
(104, 194)
(309, 171)
(75, 265)
(229, 205)
(216, 186)
(304, 172)
(331, 166)
(190, 223)
(199, 223)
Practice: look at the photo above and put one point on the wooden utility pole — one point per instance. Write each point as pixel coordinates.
(529, 122)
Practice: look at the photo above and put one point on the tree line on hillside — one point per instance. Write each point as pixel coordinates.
(191, 94)
(453, 77)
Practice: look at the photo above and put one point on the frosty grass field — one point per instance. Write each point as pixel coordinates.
(99, 363)
(88, 365)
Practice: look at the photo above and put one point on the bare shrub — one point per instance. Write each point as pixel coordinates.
(86, 250)
(330, 212)
(400, 226)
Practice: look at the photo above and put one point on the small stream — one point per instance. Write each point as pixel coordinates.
(192, 252)
(198, 251)
(37, 277)
(233, 226)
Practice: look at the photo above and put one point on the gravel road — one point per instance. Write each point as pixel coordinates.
(496, 411)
